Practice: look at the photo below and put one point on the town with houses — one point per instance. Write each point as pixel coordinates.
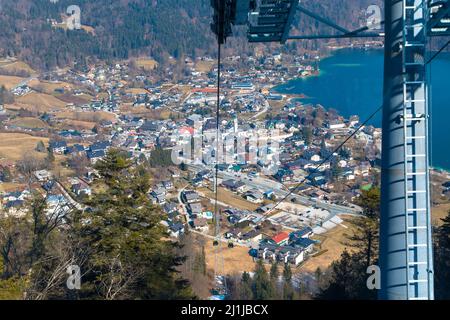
(124, 106)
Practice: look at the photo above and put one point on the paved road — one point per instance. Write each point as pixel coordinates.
(186, 214)
(266, 108)
(69, 197)
(280, 191)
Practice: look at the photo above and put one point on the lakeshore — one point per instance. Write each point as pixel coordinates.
(351, 81)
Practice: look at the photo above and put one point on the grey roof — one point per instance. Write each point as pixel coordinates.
(190, 195)
(170, 207)
(151, 126)
(14, 203)
(96, 154)
(100, 145)
(255, 193)
(250, 235)
(57, 144)
(233, 184)
(177, 226)
(303, 242)
(300, 233)
(195, 208)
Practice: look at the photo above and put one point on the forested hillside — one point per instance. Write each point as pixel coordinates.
(118, 29)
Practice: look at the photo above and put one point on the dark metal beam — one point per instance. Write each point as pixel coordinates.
(287, 26)
(322, 19)
(365, 28)
(339, 36)
(358, 33)
(441, 14)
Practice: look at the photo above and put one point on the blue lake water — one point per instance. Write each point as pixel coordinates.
(351, 81)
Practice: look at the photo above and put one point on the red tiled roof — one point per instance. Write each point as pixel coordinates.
(189, 130)
(282, 236)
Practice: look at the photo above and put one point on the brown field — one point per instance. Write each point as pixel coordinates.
(78, 125)
(146, 63)
(230, 198)
(60, 169)
(102, 95)
(9, 186)
(136, 91)
(17, 66)
(89, 116)
(10, 81)
(204, 66)
(14, 146)
(235, 260)
(48, 87)
(29, 123)
(439, 212)
(331, 244)
(69, 98)
(42, 102)
(17, 106)
(142, 111)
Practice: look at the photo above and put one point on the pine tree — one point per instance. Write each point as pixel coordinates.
(442, 260)
(11, 288)
(288, 289)
(347, 276)
(274, 271)
(336, 170)
(40, 147)
(366, 235)
(307, 135)
(246, 292)
(262, 286)
(274, 278)
(128, 256)
(287, 272)
(6, 175)
(348, 279)
(50, 159)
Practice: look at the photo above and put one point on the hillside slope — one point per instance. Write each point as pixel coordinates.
(118, 29)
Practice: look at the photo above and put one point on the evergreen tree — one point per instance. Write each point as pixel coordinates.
(366, 235)
(5, 96)
(348, 280)
(11, 288)
(336, 170)
(347, 276)
(307, 135)
(160, 158)
(128, 256)
(262, 286)
(246, 292)
(274, 271)
(40, 147)
(50, 159)
(274, 278)
(442, 260)
(5, 175)
(288, 289)
(287, 272)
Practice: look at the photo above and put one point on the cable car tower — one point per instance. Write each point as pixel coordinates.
(406, 255)
(406, 259)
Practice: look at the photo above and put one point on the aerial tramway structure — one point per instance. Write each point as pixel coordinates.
(406, 259)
